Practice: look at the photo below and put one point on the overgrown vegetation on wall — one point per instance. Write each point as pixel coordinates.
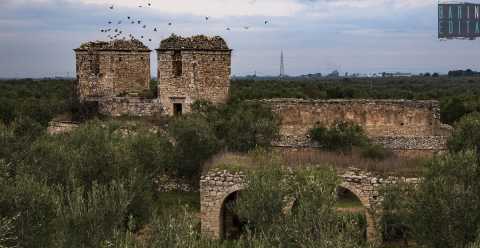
(343, 136)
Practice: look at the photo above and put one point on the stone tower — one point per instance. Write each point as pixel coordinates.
(190, 69)
(111, 69)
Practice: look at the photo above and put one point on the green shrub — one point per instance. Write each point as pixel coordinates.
(195, 143)
(341, 136)
(240, 126)
(442, 211)
(375, 151)
(311, 221)
(88, 217)
(466, 135)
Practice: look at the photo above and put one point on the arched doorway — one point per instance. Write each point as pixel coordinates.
(231, 227)
(349, 204)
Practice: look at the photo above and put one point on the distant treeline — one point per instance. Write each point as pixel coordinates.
(457, 95)
(41, 100)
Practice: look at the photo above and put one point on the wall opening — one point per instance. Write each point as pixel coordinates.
(177, 64)
(231, 226)
(177, 109)
(349, 204)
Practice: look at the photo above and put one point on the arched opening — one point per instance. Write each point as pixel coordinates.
(348, 203)
(231, 227)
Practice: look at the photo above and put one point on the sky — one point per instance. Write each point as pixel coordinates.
(37, 37)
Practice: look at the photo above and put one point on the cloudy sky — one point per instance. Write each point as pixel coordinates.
(365, 36)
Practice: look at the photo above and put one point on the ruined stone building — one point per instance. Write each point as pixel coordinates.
(190, 69)
(116, 75)
(112, 69)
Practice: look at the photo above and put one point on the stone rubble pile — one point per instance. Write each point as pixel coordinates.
(200, 42)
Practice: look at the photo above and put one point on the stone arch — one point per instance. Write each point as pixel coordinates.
(216, 186)
(230, 226)
(214, 191)
(356, 189)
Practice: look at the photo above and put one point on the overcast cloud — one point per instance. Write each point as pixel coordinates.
(37, 36)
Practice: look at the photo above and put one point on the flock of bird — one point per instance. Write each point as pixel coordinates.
(116, 29)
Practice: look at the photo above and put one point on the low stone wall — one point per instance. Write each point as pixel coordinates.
(59, 127)
(129, 106)
(170, 184)
(404, 146)
(400, 125)
(412, 142)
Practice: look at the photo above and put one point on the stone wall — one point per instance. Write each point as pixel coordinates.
(129, 106)
(108, 69)
(191, 72)
(397, 124)
(217, 185)
(60, 127)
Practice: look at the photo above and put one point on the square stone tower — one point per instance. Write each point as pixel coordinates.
(110, 69)
(190, 69)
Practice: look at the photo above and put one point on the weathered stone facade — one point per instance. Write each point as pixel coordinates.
(110, 69)
(218, 185)
(128, 106)
(397, 124)
(190, 69)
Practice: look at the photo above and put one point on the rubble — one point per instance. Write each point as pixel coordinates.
(199, 42)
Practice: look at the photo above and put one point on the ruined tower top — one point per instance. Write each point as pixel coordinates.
(115, 45)
(199, 42)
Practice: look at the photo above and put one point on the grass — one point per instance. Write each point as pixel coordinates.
(169, 202)
(344, 203)
(297, 158)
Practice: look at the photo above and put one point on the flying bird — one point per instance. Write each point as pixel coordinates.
(228, 29)
(246, 27)
(266, 22)
(111, 7)
(169, 24)
(155, 29)
(144, 26)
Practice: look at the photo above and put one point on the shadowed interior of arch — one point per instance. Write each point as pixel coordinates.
(231, 225)
(349, 203)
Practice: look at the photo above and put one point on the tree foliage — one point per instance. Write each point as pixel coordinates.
(442, 211)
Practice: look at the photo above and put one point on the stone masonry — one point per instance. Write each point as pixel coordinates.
(110, 69)
(129, 106)
(218, 185)
(401, 125)
(190, 69)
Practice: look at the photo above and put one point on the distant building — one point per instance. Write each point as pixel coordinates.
(110, 69)
(190, 69)
(396, 74)
(116, 74)
(334, 73)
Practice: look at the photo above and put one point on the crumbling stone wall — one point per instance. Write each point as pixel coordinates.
(217, 185)
(129, 106)
(190, 69)
(400, 125)
(60, 127)
(109, 69)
